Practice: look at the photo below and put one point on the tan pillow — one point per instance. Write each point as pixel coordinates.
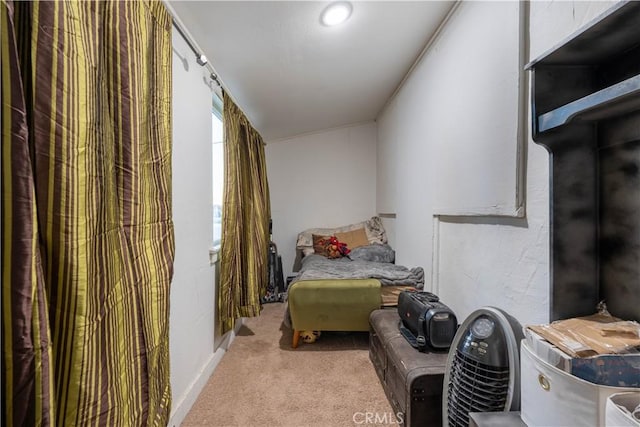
(354, 238)
(320, 244)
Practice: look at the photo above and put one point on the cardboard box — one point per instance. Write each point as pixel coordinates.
(592, 335)
(616, 370)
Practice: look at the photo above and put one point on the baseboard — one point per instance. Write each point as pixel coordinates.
(182, 407)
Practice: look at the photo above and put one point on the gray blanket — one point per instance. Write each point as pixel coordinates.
(316, 267)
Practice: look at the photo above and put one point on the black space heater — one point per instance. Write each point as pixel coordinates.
(483, 367)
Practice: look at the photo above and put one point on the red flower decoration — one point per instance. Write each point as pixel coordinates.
(335, 248)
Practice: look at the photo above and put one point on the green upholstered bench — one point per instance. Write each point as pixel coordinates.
(332, 305)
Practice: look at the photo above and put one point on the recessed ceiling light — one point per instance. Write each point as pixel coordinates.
(336, 13)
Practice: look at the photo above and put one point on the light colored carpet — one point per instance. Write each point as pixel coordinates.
(262, 381)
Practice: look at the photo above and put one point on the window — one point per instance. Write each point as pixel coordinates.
(217, 159)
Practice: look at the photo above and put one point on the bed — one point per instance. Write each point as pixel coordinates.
(337, 292)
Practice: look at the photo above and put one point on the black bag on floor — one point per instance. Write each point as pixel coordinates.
(275, 287)
(426, 322)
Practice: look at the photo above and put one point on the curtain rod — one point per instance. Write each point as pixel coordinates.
(201, 59)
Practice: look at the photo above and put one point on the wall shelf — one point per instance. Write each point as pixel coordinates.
(592, 44)
(603, 104)
(589, 76)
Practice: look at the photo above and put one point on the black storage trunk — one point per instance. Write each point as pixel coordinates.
(411, 380)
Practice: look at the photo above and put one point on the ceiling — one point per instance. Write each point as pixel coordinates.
(291, 75)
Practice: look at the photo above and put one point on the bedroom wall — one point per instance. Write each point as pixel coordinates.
(324, 179)
(472, 261)
(195, 344)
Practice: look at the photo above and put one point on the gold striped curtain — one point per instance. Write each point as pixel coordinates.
(245, 220)
(87, 236)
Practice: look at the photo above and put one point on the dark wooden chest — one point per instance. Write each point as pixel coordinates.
(411, 380)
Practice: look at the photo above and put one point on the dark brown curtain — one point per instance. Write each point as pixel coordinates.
(245, 220)
(87, 236)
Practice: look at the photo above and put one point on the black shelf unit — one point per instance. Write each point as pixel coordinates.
(586, 111)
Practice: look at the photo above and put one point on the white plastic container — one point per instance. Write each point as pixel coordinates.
(615, 416)
(551, 397)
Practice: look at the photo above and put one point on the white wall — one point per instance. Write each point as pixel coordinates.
(478, 261)
(486, 141)
(325, 179)
(192, 328)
